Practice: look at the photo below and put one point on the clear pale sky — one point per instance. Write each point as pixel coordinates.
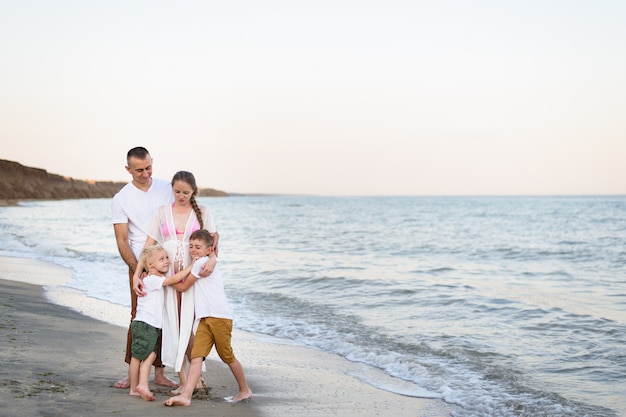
(322, 97)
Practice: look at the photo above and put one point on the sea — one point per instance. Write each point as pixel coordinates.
(504, 306)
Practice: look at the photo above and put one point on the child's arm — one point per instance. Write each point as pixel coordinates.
(184, 285)
(191, 279)
(177, 277)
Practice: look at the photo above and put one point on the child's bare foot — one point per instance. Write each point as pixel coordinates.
(145, 393)
(123, 383)
(178, 400)
(177, 391)
(241, 396)
(164, 381)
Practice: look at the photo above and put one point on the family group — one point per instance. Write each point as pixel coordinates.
(179, 309)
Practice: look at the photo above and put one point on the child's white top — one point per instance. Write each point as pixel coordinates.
(210, 297)
(150, 306)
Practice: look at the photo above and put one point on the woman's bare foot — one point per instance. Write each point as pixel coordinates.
(145, 393)
(178, 400)
(164, 381)
(241, 396)
(200, 384)
(123, 383)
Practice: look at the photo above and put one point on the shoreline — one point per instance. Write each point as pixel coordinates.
(8, 202)
(57, 361)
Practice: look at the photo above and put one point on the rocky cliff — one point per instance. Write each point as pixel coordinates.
(18, 182)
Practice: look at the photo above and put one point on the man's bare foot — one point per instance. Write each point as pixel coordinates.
(241, 396)
(145, 393)
(177, 400)
(123, 383)
(164, 381)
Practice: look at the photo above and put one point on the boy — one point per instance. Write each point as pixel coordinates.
(146, 327)
(216, 322)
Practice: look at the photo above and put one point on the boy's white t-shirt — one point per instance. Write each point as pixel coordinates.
(210, 297)
(150, 306)
(136, 208)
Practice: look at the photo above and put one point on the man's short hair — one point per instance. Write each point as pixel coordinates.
(139, 152)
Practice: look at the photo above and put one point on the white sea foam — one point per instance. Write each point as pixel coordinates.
(115, 314)
(33, 271)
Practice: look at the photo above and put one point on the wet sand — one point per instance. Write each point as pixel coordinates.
(55, 361)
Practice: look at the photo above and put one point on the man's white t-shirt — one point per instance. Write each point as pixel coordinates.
(150, 306)
(210, 297)
(135, 207)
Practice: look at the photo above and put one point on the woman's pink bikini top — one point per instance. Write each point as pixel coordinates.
(168, 231)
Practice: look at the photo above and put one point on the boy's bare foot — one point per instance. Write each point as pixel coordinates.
(177, 400)
(123, 383)
(177, 391)
(164, 381)
(241, 396)
(145, 394)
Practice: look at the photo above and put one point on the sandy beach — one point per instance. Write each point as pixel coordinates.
(55, 361)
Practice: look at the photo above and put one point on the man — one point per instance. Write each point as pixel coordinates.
(132, 207)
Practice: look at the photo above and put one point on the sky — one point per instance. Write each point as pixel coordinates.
(340, 97)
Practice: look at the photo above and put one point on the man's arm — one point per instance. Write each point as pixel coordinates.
(138, 276)
(123, 246)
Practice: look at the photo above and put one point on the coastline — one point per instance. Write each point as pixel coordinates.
(57, 361)
(7, 202)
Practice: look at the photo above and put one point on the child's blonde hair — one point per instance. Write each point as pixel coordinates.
(147, 253)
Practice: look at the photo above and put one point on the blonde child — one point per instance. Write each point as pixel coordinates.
(147, 324)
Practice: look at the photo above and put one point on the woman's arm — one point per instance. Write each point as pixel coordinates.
(216, 239)
(208, 267)
(209, 224)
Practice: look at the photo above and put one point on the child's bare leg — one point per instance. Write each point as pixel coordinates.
(142, 388)
(244, 391)
(184, 398)
(199, 382)
(133, 375)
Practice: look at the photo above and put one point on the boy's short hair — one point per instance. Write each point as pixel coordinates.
(202, 235)
(147, 253)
